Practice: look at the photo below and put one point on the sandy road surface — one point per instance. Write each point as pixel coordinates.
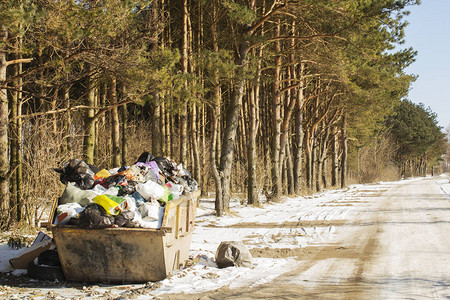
(394, 245)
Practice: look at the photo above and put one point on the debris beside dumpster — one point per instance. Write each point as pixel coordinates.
(21, 260)
(233, 253)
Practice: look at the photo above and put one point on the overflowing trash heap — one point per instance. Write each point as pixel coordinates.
(132, 196)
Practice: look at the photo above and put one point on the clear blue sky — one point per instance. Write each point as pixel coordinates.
(428, 32)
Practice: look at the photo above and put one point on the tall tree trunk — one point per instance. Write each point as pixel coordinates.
(344, 152)
(242, 135)
(124, 113)
(183, 134)
(194, 142)
(425, 165)
(219, 206)
(194, 120)
(67, 141)
(334, 158)
(173, 134)
(265, 114)
(314, 136)
(308, 152)
(324, 174)
(156, 129)
(321, 175)
(4, 120)
(17, 131)
(276, 120)
(313, 163)
(16, 200)
(41, 88)
(253, 124)
(115, 123)
(14, 145)
(232, 121)
(19, 169)
(299, 133)
(169, 149)
(89, 136)
(103, 120)
(184, 69)
(284, 138)
(290, 169)
(290, 103)
(216, 112)
(53, 106)
(162, 127)
(204, 156)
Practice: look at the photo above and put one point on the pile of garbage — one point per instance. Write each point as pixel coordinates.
(131, 196)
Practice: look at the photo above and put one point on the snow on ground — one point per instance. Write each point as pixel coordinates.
(256, 226)
(444, 184)
(5, 254)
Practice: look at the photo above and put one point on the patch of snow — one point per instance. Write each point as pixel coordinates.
(256, 227)
(200, 278)
(6, 253)
(18, 272)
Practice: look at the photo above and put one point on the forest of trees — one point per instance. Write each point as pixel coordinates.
(255, 97)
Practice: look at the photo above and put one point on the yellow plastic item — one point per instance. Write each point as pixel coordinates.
(102, 174)
(112, 204)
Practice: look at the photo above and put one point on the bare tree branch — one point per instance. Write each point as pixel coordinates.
(101, 111)
(18, 61)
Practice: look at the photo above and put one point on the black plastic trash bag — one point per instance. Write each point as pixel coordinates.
(94, 217)
(49, 258)
(79, 172)
(233, 253)
(167, 166)
(145, 157)
(189, 184)
(125, 219)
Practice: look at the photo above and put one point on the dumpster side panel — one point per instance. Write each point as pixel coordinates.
(180, 217)
(110, 256)
(177, 252)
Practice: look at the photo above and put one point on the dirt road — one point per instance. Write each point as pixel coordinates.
(394, 245)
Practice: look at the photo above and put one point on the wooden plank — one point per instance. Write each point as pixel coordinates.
(177, 222)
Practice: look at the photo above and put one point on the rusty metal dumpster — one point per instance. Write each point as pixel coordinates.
(128, 255)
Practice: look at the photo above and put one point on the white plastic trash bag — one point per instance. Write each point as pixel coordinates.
(150, 190)
(175, 189)
(73, 194)
(67, 211)
(150, 221)
(151, 211)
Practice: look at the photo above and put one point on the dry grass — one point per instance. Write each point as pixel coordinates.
(374, 162)
(45, 148)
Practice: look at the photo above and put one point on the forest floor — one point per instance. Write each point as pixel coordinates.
(381, 241)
